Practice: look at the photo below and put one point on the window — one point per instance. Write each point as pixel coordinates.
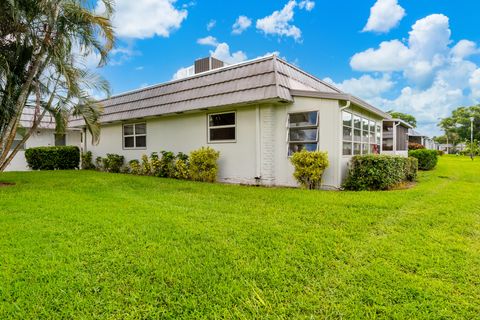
(302, 131)
(18, 138)
(135, 136)
(60, 140)
(222, 127)
(360, 135)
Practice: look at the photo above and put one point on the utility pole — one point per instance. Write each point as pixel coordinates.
(471, 137)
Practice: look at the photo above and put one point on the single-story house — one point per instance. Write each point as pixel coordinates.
(44, 136)
(417, 137)
(256, 113)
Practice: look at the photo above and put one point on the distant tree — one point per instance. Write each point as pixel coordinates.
(408, 118)
(457, 126)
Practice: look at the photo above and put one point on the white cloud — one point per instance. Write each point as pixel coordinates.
(474, 83)
(436, 74)
(222, 52)
(384, 15)
(183, 72)
(366, 86)
(278, 23)
(208, 41)
(390, 56)
(139, 68)
(145, 18)
(211, 24)
(464, 49)
(307, 5)
(241, 24)
(426, 50)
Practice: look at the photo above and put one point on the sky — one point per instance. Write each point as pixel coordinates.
(420, 57)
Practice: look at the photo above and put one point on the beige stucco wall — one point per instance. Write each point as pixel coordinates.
(41, 138)
(261, 147)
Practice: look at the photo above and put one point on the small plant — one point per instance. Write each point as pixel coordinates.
(441, 153)
(113, 162)
(181, 167)
(135, 167)
(87, 163)
(146, 165)
(415, 146)
(427, 159)
(309, 167)
(167, 165)
(203, 164)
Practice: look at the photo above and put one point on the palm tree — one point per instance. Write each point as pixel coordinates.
(42, 43)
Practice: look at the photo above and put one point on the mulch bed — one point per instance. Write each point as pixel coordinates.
(6, 184)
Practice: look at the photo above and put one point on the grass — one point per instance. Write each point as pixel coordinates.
(94, 245)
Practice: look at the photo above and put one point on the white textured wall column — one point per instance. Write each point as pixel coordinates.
(267, 132)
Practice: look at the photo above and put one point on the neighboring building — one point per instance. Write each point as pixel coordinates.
(446, 147)
(44, 136)
(417, 137)
(395, 137)
(256, 113)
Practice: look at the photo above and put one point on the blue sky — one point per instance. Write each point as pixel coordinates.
(415, 56)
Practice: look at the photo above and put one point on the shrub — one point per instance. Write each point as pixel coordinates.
(379, 172)
(181, 169)
(135, 167)
(53, 158)
(146, 165)
(203, 164)
(411, 169)
(113, 162)
(99, 163)
(415, 146)
(441, 153)
(427, 159)
(87, 163)
(167, 165)
(309, 167)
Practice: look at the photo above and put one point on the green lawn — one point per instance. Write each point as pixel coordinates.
(77, 244)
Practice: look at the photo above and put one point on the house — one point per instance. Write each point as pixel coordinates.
(395, 137)
(256, 113)
(44, 135)
(417, 137)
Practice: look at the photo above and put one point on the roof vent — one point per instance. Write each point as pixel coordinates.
(207, 64)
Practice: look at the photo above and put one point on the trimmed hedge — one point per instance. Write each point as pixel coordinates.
(53, 158)
(379, 172)
(427, 159)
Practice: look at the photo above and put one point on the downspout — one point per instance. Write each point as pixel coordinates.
(258, 146)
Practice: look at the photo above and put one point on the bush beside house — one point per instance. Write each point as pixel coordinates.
(427, 159)
(201, 165)
(309, 167)
(379, 172)
(53, 158)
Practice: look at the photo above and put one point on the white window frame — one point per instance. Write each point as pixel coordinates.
(222, 127)
(134, 136)
(315, 126)
(361, 142)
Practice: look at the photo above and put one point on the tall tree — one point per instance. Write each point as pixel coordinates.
(42, 43)
(408, 118)
(459, 123)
